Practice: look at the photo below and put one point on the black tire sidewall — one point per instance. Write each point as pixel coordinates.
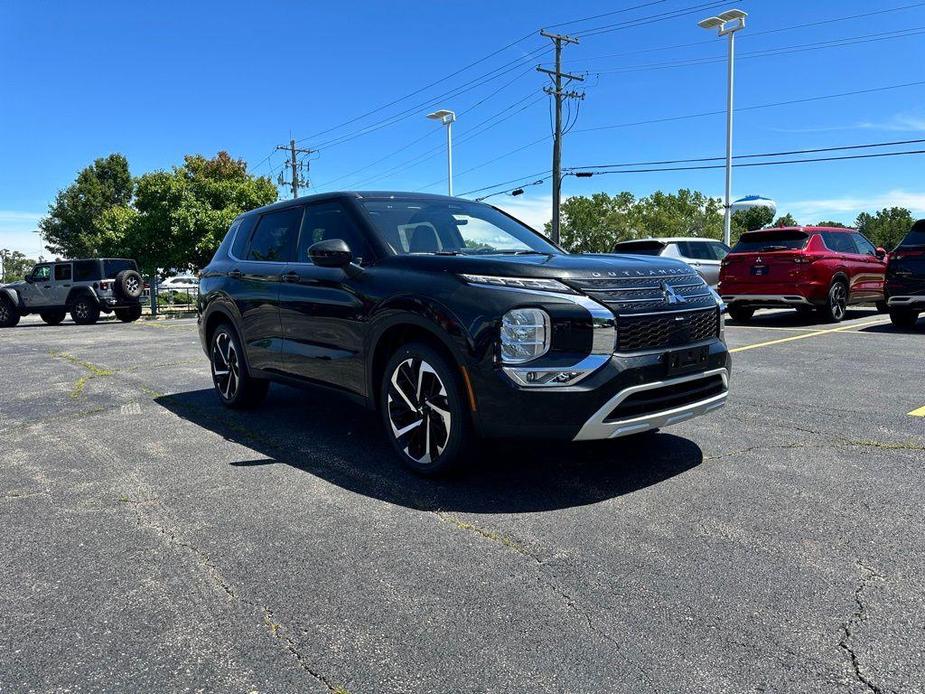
(251, 391)
(741, 314)
(461, 435)
(12, 313)
(53, 317)
(902, 318)
(120, 281)
(828, 313)
(93, 311)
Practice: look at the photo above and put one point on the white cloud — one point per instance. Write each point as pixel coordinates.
(17, 232)
(898, 123)
(533, 210)
(845, 209)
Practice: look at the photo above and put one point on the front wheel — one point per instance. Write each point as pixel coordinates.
(85, 311)
(9, 315)
(836, 304)
(236, 388)
(52, 317)
(424, 410)
(741, 314)
(903, 318)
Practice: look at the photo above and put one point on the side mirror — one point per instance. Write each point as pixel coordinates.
(881, 253)
(334, 253)
(29, 278)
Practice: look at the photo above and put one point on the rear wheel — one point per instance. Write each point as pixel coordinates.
(424, 410)
(129, 314)
(52, 317)
(85, 311)
(836, 304)
(741, 314)
(903, 318)
(235, 386)
(9, 315)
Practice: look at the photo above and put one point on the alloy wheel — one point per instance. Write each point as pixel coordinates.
(132, 285)
(4, 311)
(838, 298)
(226, 368)
(419, 410)
(82, 310)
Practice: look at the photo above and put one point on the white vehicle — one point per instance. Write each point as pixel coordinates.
(704, 255)
(187, 284)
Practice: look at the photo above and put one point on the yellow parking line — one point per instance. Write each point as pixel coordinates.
(805, 335)
(918, 413)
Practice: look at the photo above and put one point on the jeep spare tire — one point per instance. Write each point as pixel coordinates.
(128, 285)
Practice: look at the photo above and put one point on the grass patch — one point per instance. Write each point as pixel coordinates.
(93, 371)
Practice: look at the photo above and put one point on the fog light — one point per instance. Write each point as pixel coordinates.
(524, 335)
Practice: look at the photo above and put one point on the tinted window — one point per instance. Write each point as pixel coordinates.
(330, 221)
(63, 273)
(640, 247)
(86, 270)
(864, 246)
(456, 226)
(916, 236)
(114, 266)
(242, 235)
(42, 272)
(764, 241)
(275, 236)
(839, 242)
(702, 250)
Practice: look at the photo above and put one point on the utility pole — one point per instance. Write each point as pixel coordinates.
(296, 166)
(556, 91)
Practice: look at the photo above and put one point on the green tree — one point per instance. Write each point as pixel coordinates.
(886, 227)
(15, 265)
(788, 220)
(71, 228)
(595, 224)
(685, 213)
(833, 225)
(751, 219)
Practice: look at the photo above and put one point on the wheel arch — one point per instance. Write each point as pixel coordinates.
(12, 296)
(77, 292)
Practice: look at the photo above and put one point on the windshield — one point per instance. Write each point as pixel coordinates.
(639, 247)
(764, 241)
(916, 236)
(452, 227)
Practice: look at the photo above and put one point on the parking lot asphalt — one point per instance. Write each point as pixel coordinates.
(153, 541)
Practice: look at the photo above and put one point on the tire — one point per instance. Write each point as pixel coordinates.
(904, 318)
(423, 403)
(741, 314)
(235, 387)
(129, 314)
(128, 285)
(836, 303)
(85, 311)
(52, 317)
(9, 314)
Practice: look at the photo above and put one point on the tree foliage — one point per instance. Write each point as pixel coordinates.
(833, 225)
(751, 219)
(72, 226)
(787, 220)
(887, 227)
(594, 224)
(15, 265)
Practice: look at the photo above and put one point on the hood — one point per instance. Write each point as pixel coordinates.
(562, 267)
(14, 285)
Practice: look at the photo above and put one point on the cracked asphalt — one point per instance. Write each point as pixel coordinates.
(152, 541)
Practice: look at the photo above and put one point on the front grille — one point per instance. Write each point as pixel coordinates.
(637, 294)
(667, 397)
(665, 330)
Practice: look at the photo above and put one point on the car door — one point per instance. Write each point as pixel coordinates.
(61, 283)
(872, 270)
(322, 309)
(37, 292)
(254, 282)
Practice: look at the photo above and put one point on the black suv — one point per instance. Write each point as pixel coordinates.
(452, 318)
(86, 288)
(905, 278)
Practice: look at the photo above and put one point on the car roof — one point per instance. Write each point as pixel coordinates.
(671, 239)
(353, 195)
(805, 229)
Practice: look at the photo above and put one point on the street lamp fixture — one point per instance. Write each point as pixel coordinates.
(727, 24)
(447, 118)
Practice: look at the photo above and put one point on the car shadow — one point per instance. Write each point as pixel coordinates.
(342, 443)
(788, 318)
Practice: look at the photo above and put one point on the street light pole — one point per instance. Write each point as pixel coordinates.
(447, 118)
(728, 23)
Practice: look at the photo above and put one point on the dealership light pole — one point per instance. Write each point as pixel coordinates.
(727, 23)
(447, 118)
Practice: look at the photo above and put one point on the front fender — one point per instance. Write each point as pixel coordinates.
(13, 296)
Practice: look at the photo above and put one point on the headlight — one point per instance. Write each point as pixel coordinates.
(519, 283)
(524, 335)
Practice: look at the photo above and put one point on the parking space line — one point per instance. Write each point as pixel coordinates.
(805, 335)
(918, 413)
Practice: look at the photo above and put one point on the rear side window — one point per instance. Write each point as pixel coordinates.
(63, 273)
(702, 250)
(764, 241)
(86, 270)
(839, 242)
(916, 236)
(639, 247)
(864, 246)
(114, 266)
(275, 235)
(243, 234)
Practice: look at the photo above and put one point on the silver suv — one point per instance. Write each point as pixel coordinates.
(704, 255)
(85, 288)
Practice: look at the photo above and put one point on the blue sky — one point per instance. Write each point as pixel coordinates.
(81, 80)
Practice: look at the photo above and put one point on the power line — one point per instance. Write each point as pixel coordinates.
(671, 14)
(606, 14)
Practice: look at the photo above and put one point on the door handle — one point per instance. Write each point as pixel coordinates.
(291, 276)
(235, 274)
(46, 286)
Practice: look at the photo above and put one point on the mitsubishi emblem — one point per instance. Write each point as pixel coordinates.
(670, 296)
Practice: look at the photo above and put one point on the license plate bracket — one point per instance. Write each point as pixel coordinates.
(759, 270)
(681, 361)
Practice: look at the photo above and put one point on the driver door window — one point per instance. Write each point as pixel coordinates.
(330, 221)
(40, 289)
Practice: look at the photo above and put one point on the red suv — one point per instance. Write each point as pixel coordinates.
(806, 268)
